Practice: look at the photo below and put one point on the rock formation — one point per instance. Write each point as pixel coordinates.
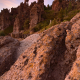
(58, 4)
(74, 74)
(4, 19)
(32, 12)
(8, 48)
(17, 16)
(53, 54)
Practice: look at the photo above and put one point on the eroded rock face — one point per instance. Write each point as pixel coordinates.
(8, 48)
(4, 19)
(35, 14)
(72, 42)
(74, 74)
(57, 4)
(53, 56)
(73, 36)
(38, 61)
(32, 13)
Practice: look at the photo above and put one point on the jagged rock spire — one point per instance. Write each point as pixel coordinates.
(26, 1)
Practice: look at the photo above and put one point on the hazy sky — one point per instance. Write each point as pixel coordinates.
(14, 3)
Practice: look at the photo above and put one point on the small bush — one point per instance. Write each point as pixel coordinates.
(8, 30)
(54, 22)
(71, 14)
(64, 20)
(61, 15)
(41, 25)
(26, 24)
(69, 6)
(2, 33)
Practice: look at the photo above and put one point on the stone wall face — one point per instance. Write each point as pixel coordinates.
(32, 12)
(17, 16)
(4, 19)
(35, 13)
(7, 18)
(14, 11)
(57, 5)
(23, 14)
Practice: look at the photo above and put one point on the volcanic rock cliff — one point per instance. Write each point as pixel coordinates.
(17, 17)
(52, 55)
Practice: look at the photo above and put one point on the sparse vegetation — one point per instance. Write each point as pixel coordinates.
(8, 30)
(26, 24)
(2, 33)
(56, 18)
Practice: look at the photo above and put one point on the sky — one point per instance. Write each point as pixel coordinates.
(14, 3)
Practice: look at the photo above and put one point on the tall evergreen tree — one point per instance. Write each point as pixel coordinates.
(61, 14)
(69, 6)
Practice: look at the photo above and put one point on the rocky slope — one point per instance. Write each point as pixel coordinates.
(52, 54)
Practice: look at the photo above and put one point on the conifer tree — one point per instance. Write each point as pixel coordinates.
(69, 6)
(61, 15)
(65, 11)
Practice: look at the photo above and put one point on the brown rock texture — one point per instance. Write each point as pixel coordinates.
(41, 60)
(58, 4)
(32, 12)
(74, 74)
(72, 43)
(53, 56)
(4, 19)
(8, 47)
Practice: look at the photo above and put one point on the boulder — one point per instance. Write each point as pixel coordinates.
(8, 48)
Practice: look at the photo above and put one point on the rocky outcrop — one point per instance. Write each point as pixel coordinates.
(23, 14)
(26, 43)
(35, 14)
(72, 43)
(42, 58)
(8, 48)
(58, 4)
(4, 19)
(52, 56)
(32, 13)
(17, 17)
(7, 18)
(74, 74)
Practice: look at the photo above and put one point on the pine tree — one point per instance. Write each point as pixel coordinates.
(65, 11)
(69, 6)
(61, 15)
(26, 24)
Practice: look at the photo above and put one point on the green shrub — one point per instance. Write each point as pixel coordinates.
(64, 20)
(41, 25)
(54, 22)
(8, 30)
(26, 32)
(69, 6)
(26, 24)
(2, 33)
(61, 15)
(49, 15)
(65, 12)
(71, 14)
